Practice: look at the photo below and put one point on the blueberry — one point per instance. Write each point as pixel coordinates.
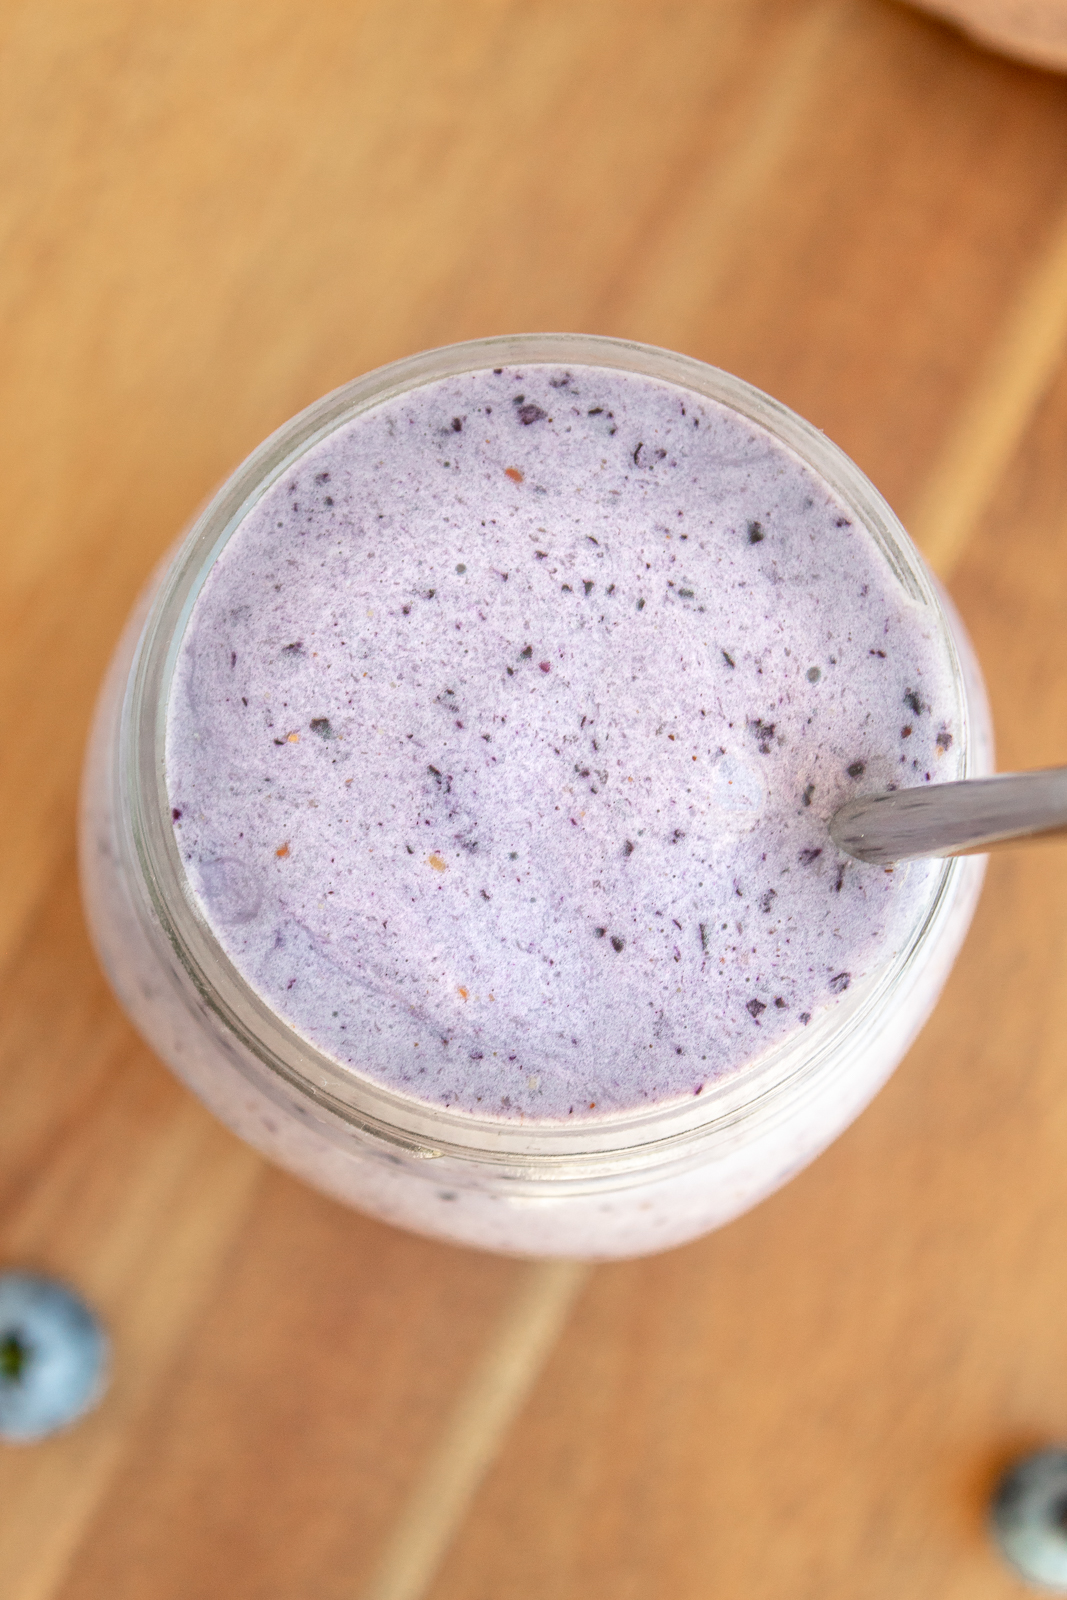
(53, 1357)
(1029, 1518)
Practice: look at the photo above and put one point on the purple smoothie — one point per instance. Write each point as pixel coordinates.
(505, 731)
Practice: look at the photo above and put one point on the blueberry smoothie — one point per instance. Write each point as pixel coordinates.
(505, 732)
(499, 744)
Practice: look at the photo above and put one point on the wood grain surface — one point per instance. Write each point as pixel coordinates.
(212, 212)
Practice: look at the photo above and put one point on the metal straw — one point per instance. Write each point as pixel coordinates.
(952, 819)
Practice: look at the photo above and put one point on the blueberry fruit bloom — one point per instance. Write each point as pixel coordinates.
(53, 1357)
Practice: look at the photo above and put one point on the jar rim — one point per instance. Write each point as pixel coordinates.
(764, 1088)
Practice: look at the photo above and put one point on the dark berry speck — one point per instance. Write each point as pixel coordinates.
(763, 732)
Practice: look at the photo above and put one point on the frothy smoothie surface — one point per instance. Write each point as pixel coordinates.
(506, 728)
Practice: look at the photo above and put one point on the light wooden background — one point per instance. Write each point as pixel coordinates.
(211, 212)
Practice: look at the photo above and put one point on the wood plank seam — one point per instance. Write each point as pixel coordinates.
(1012, 379)
(490, 1401)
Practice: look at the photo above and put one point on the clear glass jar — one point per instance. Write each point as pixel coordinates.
(622, 1185)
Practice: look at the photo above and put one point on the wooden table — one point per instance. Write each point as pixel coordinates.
(213, 211)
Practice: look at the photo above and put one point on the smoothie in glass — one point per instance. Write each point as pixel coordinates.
(465, 806)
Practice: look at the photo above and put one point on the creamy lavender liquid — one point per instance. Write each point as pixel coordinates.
(505, 731)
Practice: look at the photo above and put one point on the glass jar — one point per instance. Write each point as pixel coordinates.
(622, 1185)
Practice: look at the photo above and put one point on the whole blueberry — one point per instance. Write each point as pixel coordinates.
(1029, 1518)
(53, 1357)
